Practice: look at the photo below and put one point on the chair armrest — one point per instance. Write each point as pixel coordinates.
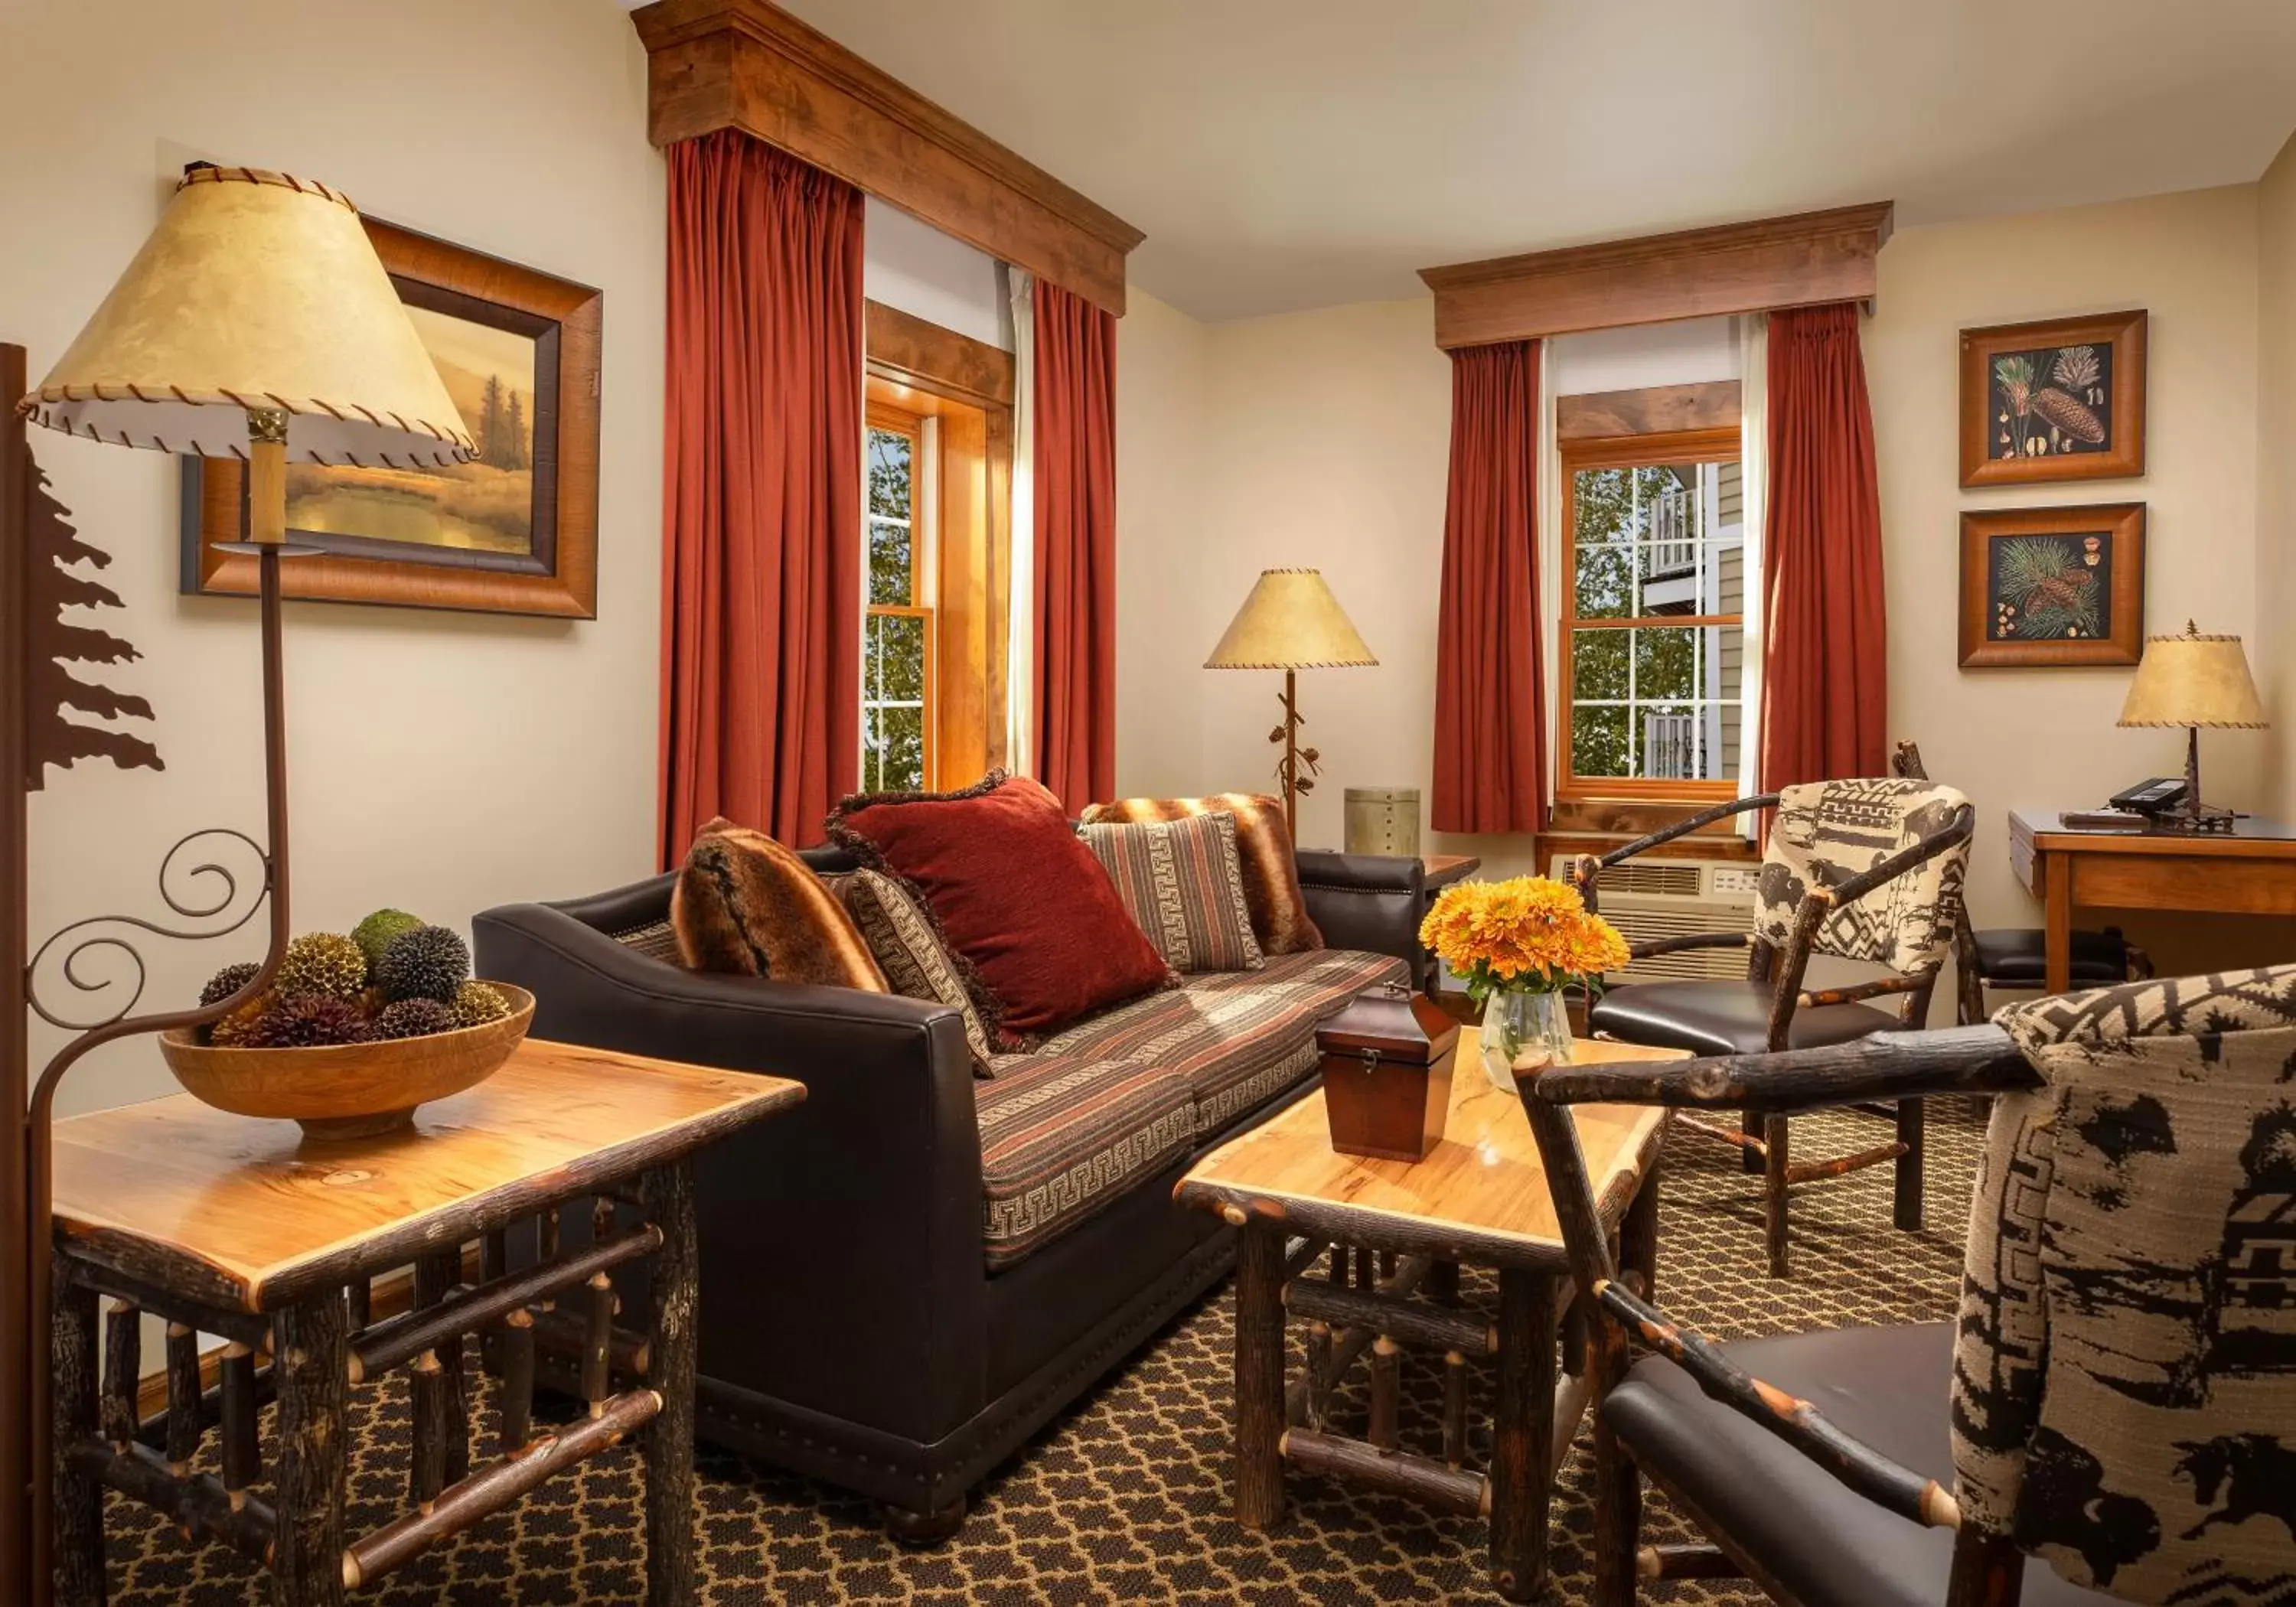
(1370, 902)
(1887, 1065)
(1858, 1466)
(1586, 867)
(1656, 946)
(841, 1242)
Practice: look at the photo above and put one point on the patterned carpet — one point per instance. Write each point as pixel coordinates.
(1126, 1498)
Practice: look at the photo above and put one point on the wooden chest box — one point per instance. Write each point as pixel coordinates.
(1387, 1073)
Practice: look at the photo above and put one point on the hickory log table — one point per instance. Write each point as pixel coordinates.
(241, 1228)
(1479, 1199)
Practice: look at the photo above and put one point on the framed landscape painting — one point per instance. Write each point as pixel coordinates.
(2052, 585)
(515, 532)
(2052, 402)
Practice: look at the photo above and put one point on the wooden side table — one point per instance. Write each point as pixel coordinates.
(1396, 1231)
(242, 1228)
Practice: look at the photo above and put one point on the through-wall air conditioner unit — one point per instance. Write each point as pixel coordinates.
(1647, 899)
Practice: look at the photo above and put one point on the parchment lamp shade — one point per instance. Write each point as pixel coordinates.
(256, 292)
(2195, 680)
(1290, 621)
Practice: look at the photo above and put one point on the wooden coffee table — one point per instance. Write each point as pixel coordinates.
(242, 1228)
(1397, 1234)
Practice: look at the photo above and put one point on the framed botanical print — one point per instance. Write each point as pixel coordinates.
(2052, 585)
(2052, 402)
(515, 532)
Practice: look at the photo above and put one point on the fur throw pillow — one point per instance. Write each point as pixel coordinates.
(747, 905)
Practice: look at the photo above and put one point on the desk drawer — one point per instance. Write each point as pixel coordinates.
(2242, 886)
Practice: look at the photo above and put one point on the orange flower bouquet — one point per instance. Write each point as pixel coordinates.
(1517, 944)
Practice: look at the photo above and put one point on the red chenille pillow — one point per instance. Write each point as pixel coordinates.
(1014, 892)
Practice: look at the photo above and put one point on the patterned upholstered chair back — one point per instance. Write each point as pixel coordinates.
(2124, 1398)
(1826, 833)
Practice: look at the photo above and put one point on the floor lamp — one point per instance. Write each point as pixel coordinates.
(257, 323)
(1290, 622)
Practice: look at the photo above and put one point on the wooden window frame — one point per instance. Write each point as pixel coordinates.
(1657, 450)
(922, 573)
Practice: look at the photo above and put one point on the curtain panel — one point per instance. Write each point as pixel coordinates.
(1826, 699)
(1490, 694)
(762, 558)
(1074, 495)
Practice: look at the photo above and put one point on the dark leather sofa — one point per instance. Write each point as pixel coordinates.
(852, 1328)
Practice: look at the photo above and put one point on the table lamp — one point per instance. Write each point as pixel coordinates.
(2194, 680)
(255, 323)
(1290, 622)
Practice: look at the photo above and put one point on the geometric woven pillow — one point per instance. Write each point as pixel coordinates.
(916, 964)
(1184, 885)
(1280, 921)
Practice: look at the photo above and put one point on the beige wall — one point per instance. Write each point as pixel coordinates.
(2275, 487)
(442, 762)
(1324, 438)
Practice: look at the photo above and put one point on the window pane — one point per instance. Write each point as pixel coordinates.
(1602, 505)
(1676, 743)
(893, 562)
(1598, 742)
(893, 757)
(1606, 583)
(1666, 662)
(1598, 663)
(895, 669)
(1691, 577)
(888, 473)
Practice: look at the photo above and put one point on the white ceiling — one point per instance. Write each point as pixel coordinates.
(1294, 153)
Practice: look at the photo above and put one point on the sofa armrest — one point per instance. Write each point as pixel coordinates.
(863, 1202)
(1370, 902)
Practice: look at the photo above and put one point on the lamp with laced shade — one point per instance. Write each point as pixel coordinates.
(1290, 622)
(255, 323)
(2195, 680)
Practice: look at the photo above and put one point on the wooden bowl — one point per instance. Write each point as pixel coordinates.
(347, 1090)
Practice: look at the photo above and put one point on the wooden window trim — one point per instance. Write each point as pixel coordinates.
(1620, 452)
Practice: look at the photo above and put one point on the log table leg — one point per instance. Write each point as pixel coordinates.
(1774, 1193)
(79, 1498)
(1260, 1418)
(1523, 1434)
(672, 1557)
(434, 1275)
(1913, 1117)
(312, 1367)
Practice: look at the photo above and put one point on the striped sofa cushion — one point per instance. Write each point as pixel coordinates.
(1183, 885)
(1110, 1102)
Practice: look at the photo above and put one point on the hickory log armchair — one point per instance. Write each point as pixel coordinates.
(1867, 870)
(2111, 1417)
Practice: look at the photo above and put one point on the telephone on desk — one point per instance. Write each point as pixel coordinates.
(2133, 808)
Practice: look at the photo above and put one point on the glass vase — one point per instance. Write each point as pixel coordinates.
(1523, 1028)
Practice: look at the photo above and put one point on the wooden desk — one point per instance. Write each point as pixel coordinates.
(1479, 1198)
(242, 1228)
(2249, 870)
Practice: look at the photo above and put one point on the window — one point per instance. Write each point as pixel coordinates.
(1651, 642)
(898, 641)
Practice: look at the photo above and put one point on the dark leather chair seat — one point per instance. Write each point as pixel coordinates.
(1823, 1544)
(1723, 1018)
(2011, 956)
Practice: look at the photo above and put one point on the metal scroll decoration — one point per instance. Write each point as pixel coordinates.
(89, 953)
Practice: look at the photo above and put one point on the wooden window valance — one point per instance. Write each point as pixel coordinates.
(749, 65)
(1740, 267)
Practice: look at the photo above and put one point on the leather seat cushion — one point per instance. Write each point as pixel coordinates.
(1887, 1386)
(1238, 1038)
(2016, 956)
(1723, 1018)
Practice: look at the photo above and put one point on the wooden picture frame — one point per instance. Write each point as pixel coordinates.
(2050, 401)
(555, 571)
(2086, 561)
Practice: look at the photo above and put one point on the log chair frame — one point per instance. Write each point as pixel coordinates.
(1763, 1135)
(1987, 1569)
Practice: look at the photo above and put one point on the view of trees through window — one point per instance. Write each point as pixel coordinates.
(1651, 622)
(896, 642)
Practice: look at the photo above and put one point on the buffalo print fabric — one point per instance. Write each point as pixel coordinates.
(1828, 832)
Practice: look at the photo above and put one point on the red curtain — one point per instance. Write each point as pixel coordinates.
(761, 494)
(1825, 698)
(1075, 495)
(1490, 699)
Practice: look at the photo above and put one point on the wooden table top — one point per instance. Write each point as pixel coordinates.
(1443, 868)
(2249, 838)
(246, 1215)
(1481, 1191)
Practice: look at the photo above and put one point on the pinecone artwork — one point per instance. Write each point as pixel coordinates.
(429, 963)
(2070, 416)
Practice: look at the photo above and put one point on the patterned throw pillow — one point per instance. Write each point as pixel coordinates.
(746, 906)
(1184, 884)
(900, 933)
(1271, 875)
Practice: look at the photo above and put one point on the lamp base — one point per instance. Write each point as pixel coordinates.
(2196, 818)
